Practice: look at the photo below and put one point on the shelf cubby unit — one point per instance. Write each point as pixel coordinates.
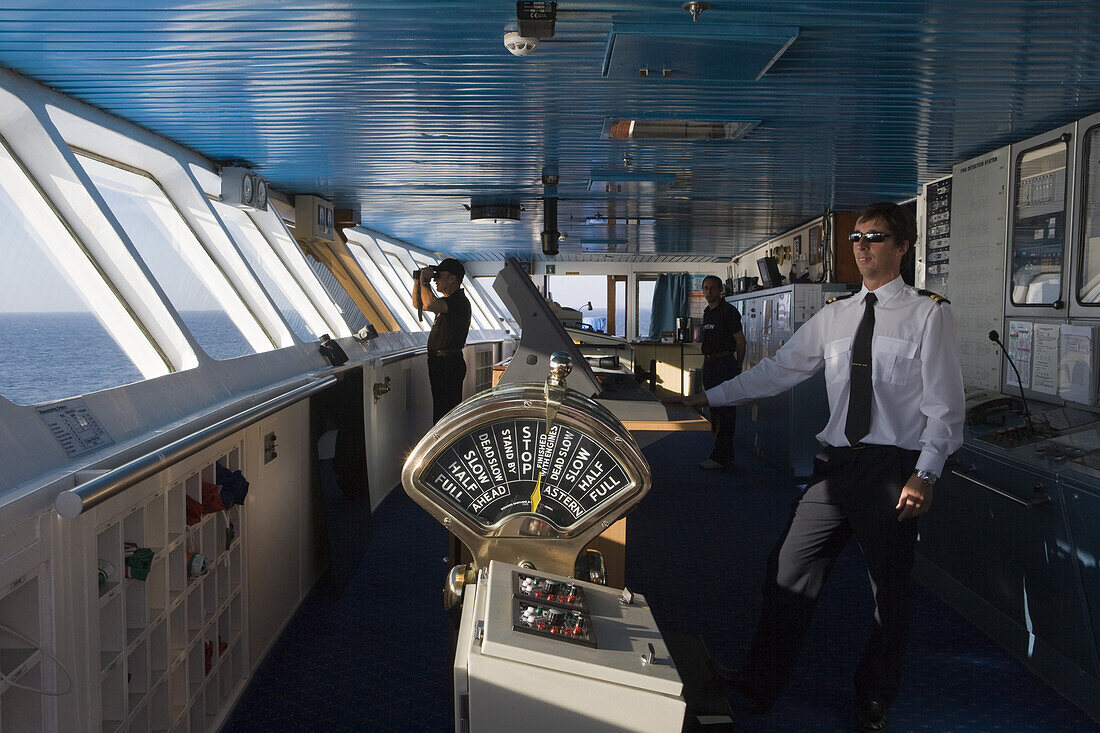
(20, 709)
(113, 697)
(20, 658)
(169, 648)
(160, 709)
(111, 632)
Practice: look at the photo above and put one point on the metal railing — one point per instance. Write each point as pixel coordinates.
(72, 503)
(1041, 498)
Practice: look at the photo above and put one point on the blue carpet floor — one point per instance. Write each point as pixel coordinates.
(374, 656)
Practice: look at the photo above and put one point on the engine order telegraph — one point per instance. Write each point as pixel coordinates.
(526, 475)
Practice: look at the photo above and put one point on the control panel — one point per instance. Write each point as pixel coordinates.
(551, 608)
(538, 651)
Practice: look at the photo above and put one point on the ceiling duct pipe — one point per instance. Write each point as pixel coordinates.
(550, 233)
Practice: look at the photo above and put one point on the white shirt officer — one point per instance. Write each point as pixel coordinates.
(917, 399)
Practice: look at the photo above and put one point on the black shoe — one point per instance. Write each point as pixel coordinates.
(871, 716)
(739, 682)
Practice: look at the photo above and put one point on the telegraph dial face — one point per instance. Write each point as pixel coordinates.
(513, 490)
(515, 466)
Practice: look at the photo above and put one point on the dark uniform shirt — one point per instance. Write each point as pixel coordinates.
(450, 329)
(719, 326)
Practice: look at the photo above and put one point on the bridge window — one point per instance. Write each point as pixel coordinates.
(349, 311)
(198, 289)
(585, 293)
(396, 266)
(647, 286)
(496, 305)
(282, 242)
(396, 301)
(285, 291)
(482, 314)
(63, 329)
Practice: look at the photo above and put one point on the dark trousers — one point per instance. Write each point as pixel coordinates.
(446, 370)
(852, 492)
(723, 420)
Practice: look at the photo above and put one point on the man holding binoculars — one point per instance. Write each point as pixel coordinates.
(446, 367)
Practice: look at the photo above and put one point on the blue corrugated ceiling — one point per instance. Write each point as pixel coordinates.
(407, 109)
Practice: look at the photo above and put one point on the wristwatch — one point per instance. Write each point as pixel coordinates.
(926, 477)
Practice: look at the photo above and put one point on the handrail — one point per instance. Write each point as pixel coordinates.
(1041, 499)
(402, 354)
(412, 351)
(72, 503)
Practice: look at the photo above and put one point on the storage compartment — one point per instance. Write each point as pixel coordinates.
(160, 708)
(20, 660)
(156, 588)
(137, 675)
(113, 697)
(1022, 565)
(111, 630)
(158, 652)
(109, 558)
(137, 617)
(178, 690)
(177, 571)
(177, 629)
(21, 710)
(177, 512)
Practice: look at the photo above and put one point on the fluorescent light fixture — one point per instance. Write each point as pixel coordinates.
(626, 129)
(621, 221)
(610, 181)
(607, 245)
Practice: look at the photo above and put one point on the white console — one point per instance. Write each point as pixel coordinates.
(512, 676)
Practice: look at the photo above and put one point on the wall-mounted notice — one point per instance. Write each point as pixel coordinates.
(976, 285)
(697, 302)
(1019, 350)
(1044, 360)
(937, 235)
(1075, 364)
(783, 312)
(74, 426)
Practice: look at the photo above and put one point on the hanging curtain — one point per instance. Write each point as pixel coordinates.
(670, 301)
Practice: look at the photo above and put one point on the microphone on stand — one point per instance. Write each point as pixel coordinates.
(996, 338)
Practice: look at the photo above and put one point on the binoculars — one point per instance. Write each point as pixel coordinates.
(430, 268)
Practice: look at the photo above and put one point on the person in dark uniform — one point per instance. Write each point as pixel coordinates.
(446, 367)
(896, 413)
(723, 356)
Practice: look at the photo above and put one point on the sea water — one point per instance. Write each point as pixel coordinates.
(51, 356)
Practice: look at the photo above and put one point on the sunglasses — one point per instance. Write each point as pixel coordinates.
(869, 236)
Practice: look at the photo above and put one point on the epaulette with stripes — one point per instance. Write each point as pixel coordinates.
(840, 297)
(934, 296)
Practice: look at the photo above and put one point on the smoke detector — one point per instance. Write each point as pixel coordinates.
(519, 45)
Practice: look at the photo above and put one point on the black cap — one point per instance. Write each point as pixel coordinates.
(452, 266)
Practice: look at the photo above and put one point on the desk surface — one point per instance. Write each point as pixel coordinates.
(680, 418)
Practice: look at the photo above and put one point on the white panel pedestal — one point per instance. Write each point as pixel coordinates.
(509, 680)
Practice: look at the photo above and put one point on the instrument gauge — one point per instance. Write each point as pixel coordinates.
(527, 473)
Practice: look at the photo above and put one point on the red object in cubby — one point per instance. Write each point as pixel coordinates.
(194, 511)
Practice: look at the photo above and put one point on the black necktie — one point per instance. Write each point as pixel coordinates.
(859, 395)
